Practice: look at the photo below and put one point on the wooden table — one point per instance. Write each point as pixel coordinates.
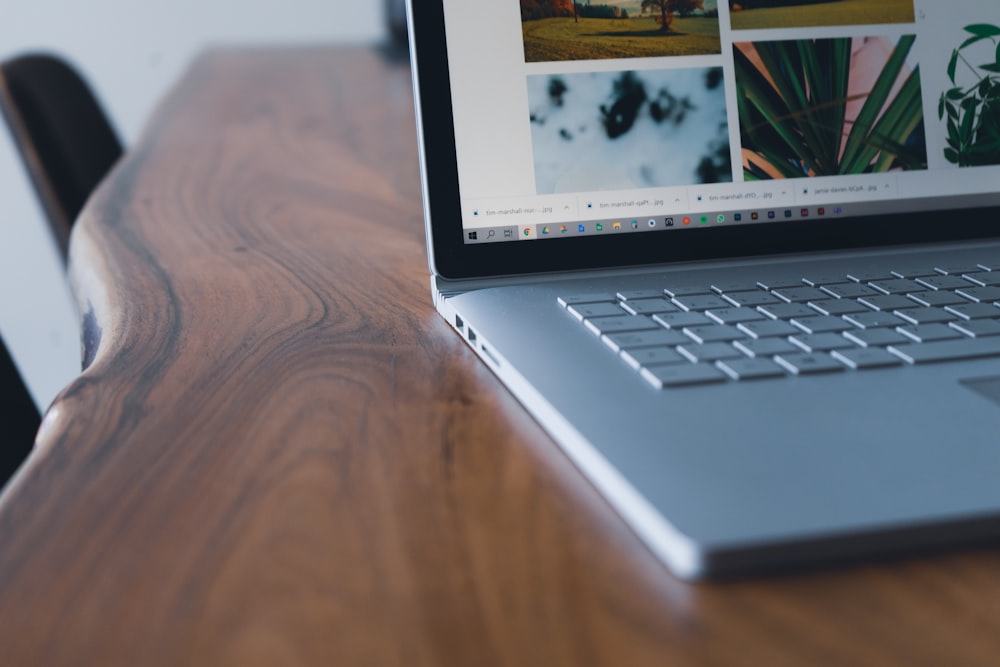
(279, 454)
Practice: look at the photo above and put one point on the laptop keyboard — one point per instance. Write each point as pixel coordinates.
(678, 336)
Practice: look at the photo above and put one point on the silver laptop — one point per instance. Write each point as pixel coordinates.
(741, 260)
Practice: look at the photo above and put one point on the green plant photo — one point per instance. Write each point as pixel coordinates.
(829, 107)
(970, 109)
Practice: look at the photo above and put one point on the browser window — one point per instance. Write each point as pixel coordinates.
(630, 116)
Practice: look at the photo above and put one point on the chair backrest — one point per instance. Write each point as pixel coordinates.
(19, 418)
(63, 134)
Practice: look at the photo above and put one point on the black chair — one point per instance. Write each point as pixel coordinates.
(65, 138)
(68, 146)
(19, 418)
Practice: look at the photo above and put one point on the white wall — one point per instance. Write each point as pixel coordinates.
(131, 52)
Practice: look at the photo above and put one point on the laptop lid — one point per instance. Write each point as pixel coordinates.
(560, 136)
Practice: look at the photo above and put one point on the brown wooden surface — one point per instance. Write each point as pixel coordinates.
(280, 455)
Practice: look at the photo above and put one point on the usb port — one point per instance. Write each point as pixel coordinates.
(472, 335)
(459, 323)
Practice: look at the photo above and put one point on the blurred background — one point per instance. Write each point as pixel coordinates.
(131, 53)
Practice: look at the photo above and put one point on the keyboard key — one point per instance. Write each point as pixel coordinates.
(582, 311)
(859, 358)
(807, 364)
(686, 291)
(983, 278)
(948, 350)
(680, 320)
(767, 328)
(913, 273)
(629, 295)
(820, 281)
(700, 302)
(738, 286)
(940, 282)
(798, 294)
(849, 291)
(820, 324)
(977, 328)
(837, 306)
(786, 311)
(974, 311)
(924, 315)
(980, 294)
(936, 299)
(678, 375)
(876, 337)
(993, 265)
(709, 352)
(750, 369)
(751, 299)
(778, 283)
(925, 333)
(874, 320)
(652, 356)
(868, 276)
(638, 339)
(609, 325)
(895, 286)
(764, 347)
(822, 342)
(597, 297)
(648, 306)
(885, 302)
(734, 315)
(956, 269)
(713, 333)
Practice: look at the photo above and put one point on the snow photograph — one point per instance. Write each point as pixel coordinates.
(628, 129)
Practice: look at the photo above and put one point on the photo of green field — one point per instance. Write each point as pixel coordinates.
(762, 14)
(558, 30)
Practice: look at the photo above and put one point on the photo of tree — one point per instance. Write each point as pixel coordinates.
(829, 106)
(970, 109)
(555, 30)
(630, 129)
(762, 14)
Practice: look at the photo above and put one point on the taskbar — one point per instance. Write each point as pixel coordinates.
(744, 216)
(646, 224)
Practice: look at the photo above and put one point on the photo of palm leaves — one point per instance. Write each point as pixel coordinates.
(829, 107)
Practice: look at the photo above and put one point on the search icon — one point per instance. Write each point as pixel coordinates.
(491, 234)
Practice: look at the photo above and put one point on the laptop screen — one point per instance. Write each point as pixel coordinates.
(622, 117)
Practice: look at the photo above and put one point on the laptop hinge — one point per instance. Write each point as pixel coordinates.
(446, 288)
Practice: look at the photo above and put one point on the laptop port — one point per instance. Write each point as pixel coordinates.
(472, 335)
(486, 351)
(459, 324)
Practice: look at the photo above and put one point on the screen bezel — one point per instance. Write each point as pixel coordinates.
(452, 258)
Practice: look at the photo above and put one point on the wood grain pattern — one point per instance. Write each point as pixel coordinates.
(279, 454)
